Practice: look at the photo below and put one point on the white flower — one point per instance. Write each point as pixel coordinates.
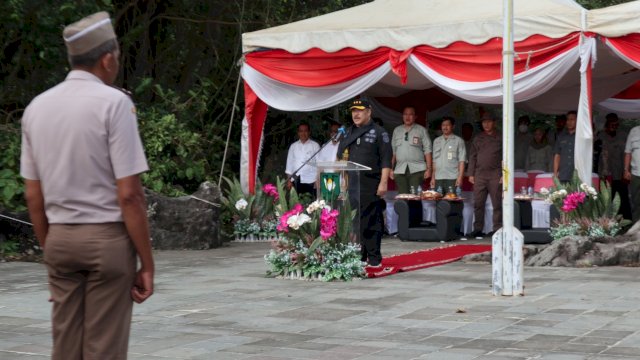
(584, 187)
(316, 205)
(295, 221)
(563, 192)
(544, 191)
(241, 204)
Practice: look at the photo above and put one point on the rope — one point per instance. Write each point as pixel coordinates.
(17, 220)
(233, 112)
(204, 201)
(235, 98)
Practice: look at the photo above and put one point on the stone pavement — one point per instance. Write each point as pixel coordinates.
(217, 304)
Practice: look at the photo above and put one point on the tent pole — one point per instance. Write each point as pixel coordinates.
(507, 243)
(233, 112)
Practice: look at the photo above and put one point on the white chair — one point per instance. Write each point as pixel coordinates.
(467, 212)
(391, 216)
(429, 211)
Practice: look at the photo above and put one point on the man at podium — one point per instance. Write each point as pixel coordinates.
(368, 144)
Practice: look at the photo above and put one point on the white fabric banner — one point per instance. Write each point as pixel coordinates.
(583, 152)
(287, 97)
(625, 108)
(527, 85)
(244, 156)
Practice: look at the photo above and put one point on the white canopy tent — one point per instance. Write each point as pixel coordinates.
(389, 47)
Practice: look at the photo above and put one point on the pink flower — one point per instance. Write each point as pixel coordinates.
(328, 223)
(271, 190)
(283, 226)
(572, 201)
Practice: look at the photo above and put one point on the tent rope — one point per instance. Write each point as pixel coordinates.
(17, 220)
(233, 113)
(530, 53)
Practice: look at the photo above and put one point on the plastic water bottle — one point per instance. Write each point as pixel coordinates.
(530, 191)
(439, 189)
(458, 191)
(413, 191)
(419, 190)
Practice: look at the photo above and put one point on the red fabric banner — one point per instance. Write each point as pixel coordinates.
(255, 110)
(628, 45)
(630, 93)
(315, 68)
(475, 63)
(459, 61)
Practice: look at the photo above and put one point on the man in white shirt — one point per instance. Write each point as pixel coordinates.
(300, 151)
(330, 150)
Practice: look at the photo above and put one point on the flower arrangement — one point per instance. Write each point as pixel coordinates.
(315, 241)
(251, 215)
(584, 211)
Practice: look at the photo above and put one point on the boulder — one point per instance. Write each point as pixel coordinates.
(185, 222)
(589, 251)
(578, 251)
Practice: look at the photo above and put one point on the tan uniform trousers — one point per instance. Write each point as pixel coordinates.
(487, 184)
(91, 271)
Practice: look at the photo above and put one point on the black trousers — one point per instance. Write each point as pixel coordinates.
(371, 229)
(621, 188)
(302, 188)
(371, 220)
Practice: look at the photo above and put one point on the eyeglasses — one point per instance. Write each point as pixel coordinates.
(406, 136)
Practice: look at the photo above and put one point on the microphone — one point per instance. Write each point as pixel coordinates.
(341, 132)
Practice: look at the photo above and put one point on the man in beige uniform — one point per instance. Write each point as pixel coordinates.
(81, 160)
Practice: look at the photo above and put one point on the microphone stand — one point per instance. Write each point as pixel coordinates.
(335, 137)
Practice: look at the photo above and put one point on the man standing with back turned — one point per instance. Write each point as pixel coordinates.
(81, 160)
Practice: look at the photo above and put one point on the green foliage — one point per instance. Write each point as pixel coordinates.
(11, 185)
(169, 147)
(327, 262)
(596, 215)
(250, 214)
(9, 247)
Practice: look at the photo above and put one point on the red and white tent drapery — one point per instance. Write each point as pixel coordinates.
(626, 103)
(553, 66)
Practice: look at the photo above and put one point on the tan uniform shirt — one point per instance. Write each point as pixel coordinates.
(77, 139)
(410, 147)
(447, 155)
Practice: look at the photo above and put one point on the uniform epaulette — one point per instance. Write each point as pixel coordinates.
(125, 91)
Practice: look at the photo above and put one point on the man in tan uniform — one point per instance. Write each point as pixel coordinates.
(81, 160)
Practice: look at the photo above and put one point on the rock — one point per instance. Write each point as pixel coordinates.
(585, 251)
(184, 222)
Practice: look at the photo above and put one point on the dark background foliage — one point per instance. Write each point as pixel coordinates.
(180, 60)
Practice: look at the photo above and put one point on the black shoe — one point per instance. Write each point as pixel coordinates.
(490, 234)
(477, 235)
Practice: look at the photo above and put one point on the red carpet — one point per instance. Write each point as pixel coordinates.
(424, 258)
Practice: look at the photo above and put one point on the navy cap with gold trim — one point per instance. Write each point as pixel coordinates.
(359, 104)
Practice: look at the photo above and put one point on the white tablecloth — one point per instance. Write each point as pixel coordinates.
(391, 217)
(429, 213)
(540, 214)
